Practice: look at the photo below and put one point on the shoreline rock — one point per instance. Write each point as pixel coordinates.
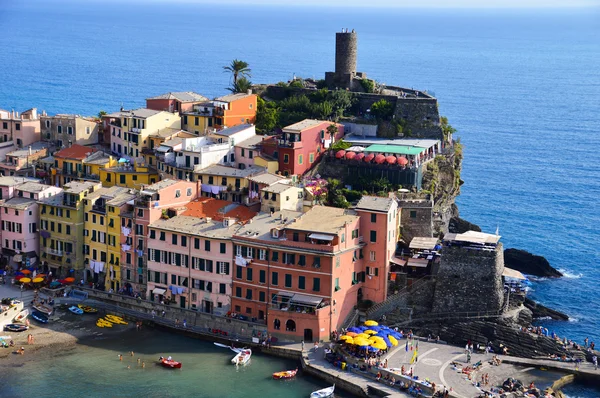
(529, 263)
(540, 311)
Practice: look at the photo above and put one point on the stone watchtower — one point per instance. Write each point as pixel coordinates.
(346, 50)
(470, 274)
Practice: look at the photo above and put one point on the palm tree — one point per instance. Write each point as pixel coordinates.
(241, 86)
(238, 69)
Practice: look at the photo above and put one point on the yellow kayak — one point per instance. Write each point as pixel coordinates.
(115, 319)
(103, 323)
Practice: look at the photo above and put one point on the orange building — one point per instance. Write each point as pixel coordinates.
(234, 109)
(298, 273)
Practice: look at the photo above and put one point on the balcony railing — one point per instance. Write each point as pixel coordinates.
(99, 209)
(54, 252)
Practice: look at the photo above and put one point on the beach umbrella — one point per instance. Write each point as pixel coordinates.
(41, 275)
(19, 277)
(379, 345)
(26, 272)
(346, 338)
(371, 323)
(375, 328)
(373, 349)
(351, 334)
(402, 161)
(354, 329)
(361, 336)
(25, 280)
(379, 159)
(391, 159)
(359, 156)
(393, 340)
(340, 154)
(362, 342)
(369, 157)
(38, 280)
(350, 155)
(369, 331)
(70, 279)
(54, 284)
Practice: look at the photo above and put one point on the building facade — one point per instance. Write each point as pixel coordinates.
(21, 128)
(64, 130)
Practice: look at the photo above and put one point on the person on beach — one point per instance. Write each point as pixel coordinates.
(139, 361)
(316, 346)
(132, 353)
(143, 365)
(21, 351)
(120, 357)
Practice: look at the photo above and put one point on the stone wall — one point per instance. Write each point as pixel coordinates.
(416, 219)
(360, 129)
(422, 117)
(469, 280)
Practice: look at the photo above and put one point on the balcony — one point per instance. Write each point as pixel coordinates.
(54, 252)
(218, 111)
(99, 209)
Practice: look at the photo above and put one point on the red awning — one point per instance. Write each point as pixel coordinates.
(369, 157)
(340, 154)
(402, 161)
(391, 159)
(379, 159)
(359, 156)
(350, 155)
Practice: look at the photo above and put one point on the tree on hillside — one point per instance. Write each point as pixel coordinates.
(241, 86)
(382, 110)
(238, 69)
(267, 116)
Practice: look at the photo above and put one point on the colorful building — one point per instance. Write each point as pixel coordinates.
(281, 196)
(102, 234)
(248, 154)
(129, 175)
(22, 129)
(190, 255)
(158, 138)
(68, 164)
(257, 182)
(22, 161)
(175, 102)
(379, 223)
(298, 273)
(61, 230)
(226, 183)
(234, 109)
(20, 220)
(301, 145)
(152, 203)
(64, 130)
(130, 130)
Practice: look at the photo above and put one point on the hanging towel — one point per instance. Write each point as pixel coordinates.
(241, 261)
(214, 189)
(205, 188)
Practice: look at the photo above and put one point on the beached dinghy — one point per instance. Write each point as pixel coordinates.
(286, 374)
(44, 309)
(76, 310)
(15, 327)
(242, 357)
(21, 316)
(87, 309)
(40, 317)
(326, 392)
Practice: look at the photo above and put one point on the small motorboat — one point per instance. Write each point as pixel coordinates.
(44, 309)
(15, 327)
(326, 392)
(242, 357)
(21, 316)
(286, 374)
(76, 310)
(169, 363)
(40, 317)
(87, 309)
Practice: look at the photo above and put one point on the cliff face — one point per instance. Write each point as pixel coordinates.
(529, 264)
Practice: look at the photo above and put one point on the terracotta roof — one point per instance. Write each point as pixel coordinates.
(183, 96)
(217, 210)
(75, 151)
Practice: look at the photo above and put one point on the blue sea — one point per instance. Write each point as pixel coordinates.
(522, 87)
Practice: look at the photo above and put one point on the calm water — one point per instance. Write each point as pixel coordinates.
(93, 369)
(522, 88)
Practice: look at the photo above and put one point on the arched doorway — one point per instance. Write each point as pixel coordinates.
(290, 326)
(276, 324)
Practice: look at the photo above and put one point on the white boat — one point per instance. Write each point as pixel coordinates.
(326, 392)
(242, 357)
(22, 316)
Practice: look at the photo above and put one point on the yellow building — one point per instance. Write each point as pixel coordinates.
(79, 162)
(226, 183)
(129, 130)
(129, 175)
(102, 236)
(269, 163)
(158, 138)
(62, 228)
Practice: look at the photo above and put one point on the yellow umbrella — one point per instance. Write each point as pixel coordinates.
(38, 280)
(379, 344)
(25, 280)
(371, 323)
(362, 336)
(346, 338)
(370, 332)
(376, 338)
(362, 343)
(393, 340)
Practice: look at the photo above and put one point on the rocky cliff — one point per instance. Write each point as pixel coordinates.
(529, 264)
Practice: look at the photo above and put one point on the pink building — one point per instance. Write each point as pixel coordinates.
(23, 129)
(153, 202)
(379, 232)
(20, 222)
(177, 102)
(247, 151)
(9, 184)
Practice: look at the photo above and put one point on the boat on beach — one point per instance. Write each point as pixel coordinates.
(325, 392)
(87, 309)
(40, 317)
(44, 309)
(286, 374)
(22, 316)
(76, 310)
(115, 319)
(103, 323)
(242, 357)
(15, 327)
(169, 363)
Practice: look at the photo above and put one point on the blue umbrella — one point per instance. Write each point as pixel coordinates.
(354, 329)
(373, 349)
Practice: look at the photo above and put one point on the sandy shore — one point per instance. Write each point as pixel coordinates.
(64, 330)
